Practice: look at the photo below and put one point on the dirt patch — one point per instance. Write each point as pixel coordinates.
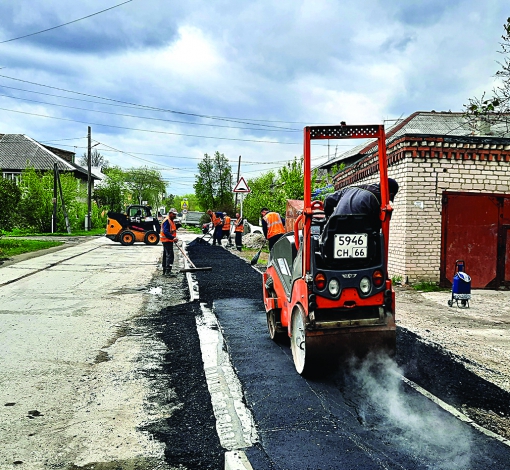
(478, 335)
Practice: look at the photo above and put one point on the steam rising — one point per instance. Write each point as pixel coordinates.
(408, 420)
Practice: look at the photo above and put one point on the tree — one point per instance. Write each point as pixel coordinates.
(496, 108)
(10, 197)
(266, 191)
(111, 193)
(290, 178)
(273, 190)
(96, 159)
(192, 201)
(36, 203)
(213, 183)
(145, 184)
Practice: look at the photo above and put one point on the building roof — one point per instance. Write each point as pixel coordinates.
(18, 151)
(426, 123)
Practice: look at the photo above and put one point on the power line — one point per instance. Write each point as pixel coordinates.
(151, 131)
(59, 140)
(133, 106)
(175, 156)
(148, 118)
(239, 120)
(65, 24)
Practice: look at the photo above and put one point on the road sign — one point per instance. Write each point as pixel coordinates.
(241, 186)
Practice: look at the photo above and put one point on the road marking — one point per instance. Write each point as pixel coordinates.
(234, 422)
(453, 411)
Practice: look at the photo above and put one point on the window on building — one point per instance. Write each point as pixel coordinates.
(16, 177)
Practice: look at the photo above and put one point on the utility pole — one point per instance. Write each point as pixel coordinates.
(54, 215)
(88, 225)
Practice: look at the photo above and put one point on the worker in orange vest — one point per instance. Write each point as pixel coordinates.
(226, 228)
(168, 236)
(272, 225)
(239, 229)
(217, 221)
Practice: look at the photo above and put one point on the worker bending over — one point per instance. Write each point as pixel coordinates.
(362, 199)
(272, 225)
(217, 221)
(168, 236)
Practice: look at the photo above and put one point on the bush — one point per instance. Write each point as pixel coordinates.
(10, 197)
(428, 286)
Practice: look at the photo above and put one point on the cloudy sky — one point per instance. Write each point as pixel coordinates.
(162, 82)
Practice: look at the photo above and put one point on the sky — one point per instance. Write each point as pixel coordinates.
(163, 82)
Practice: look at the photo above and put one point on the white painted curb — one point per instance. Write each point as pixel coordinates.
(237, 460)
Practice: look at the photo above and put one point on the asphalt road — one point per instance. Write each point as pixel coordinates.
(106, 364)
(366, 417)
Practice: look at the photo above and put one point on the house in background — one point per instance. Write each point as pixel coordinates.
(18, 152)
(454, 197)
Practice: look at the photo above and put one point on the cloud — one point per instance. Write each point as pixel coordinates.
(286, 64)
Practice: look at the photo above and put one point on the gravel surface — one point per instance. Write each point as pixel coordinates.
(478, 335)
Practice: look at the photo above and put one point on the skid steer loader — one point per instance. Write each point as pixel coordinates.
(135, 225)
(326, 285)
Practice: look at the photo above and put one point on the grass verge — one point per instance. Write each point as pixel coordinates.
(76, 233)
(12, 246)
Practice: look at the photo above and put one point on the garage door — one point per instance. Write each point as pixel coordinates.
(475, 229)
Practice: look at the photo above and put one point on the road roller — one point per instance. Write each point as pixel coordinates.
(326, 286)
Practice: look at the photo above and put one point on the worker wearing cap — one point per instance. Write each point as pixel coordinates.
(238, 230)
(226, 228)
(272, 225)
(168, 237)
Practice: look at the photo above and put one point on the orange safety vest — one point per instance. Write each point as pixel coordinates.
(274, 224)
(226, 223)
(173, 230)
(216, 220)
(239, 225)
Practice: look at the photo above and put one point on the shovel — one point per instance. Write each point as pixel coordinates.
(193, 267)
(255, 259)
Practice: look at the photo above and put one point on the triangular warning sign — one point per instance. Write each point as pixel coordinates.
(241, 186)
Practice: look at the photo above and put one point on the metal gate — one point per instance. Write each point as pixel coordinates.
(475, 228)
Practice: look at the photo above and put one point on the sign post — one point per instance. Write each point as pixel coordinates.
(184, 208)
(242, 188)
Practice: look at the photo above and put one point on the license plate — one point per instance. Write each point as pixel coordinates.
(351, 246)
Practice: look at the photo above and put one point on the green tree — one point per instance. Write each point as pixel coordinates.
(145, 184)
(266, 191)
(169, 201)
(213, 183)
(10, 197)
(36, 203)
(96, 159)
(495, 109)
(192, 201)
(290, 178)
(111, 194)
(273, 190)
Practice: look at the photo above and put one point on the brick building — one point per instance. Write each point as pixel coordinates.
(454, 198)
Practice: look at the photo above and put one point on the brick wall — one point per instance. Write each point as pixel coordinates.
(424, 170)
